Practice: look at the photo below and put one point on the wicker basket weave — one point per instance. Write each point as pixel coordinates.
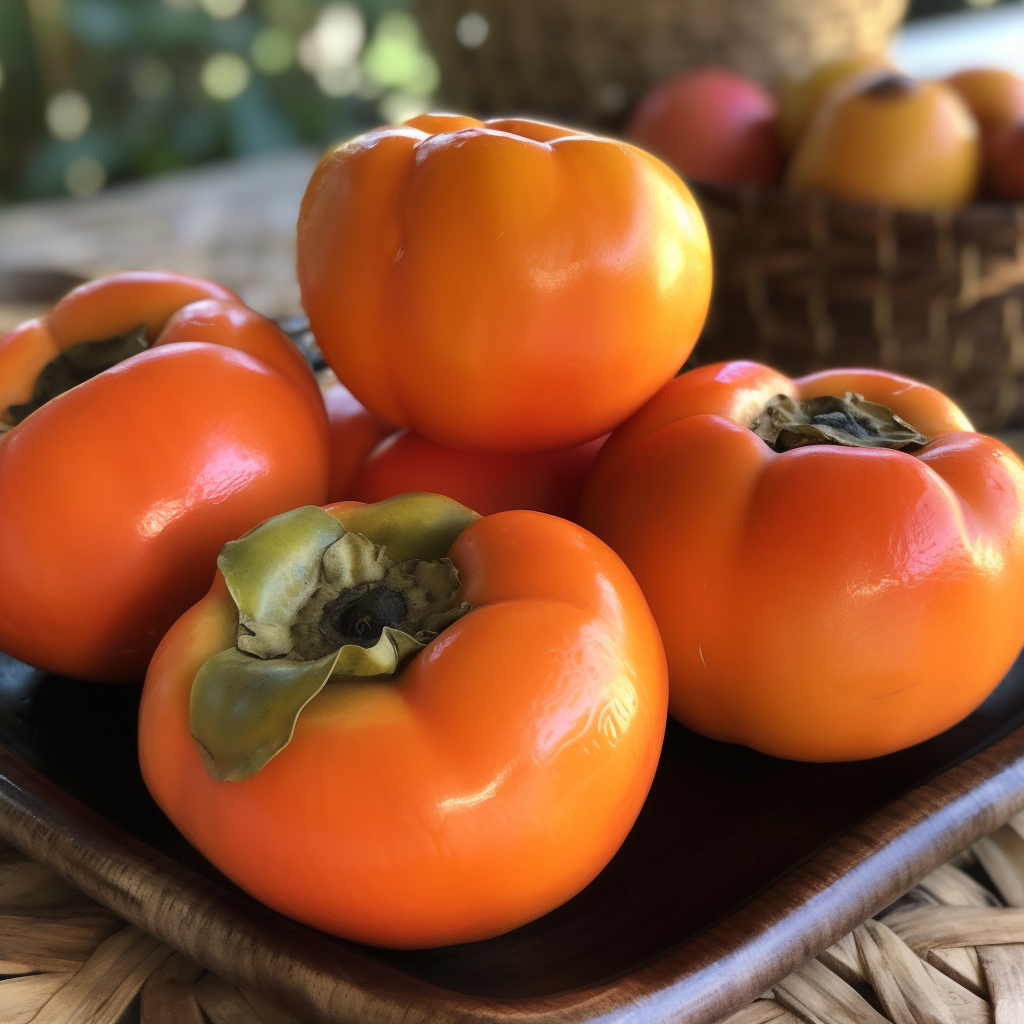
(804, 283)
(949, 952)
(589, 61)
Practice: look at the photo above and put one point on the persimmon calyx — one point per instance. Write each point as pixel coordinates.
(77, 364)
(315, 603)
(852, 421)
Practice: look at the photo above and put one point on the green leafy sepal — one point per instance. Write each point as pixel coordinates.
(318, 603)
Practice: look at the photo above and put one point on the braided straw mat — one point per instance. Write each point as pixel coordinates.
(949, 952)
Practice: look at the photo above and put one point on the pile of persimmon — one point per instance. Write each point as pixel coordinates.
(856, 128)
(435, 718)
(417, 704)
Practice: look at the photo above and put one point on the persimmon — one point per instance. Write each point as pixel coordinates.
(503, 286)
(711, 124)
(799, 98)
(154, 417)
(995, 98)
(836, 563)
(489, 777)
(1005, 172)
(890, 139)
(354, 433)
(486, 482)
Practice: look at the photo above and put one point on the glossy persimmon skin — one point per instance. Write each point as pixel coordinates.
(354, 433)
(486, 482)
(119, 494)
(231, 322)
(501, 286)
(826, 603)
(488, 783)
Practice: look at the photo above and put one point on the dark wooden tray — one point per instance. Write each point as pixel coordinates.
(740, 867)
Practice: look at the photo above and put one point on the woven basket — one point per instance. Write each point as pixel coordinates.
(805, 283)
(589, 61)
(949, 952)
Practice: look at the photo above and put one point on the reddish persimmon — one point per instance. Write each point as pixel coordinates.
(486, 482)
(711, 124)
(354, 432)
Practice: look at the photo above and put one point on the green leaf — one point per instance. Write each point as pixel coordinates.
(318, 602)
(243, 709)
(418, 525)
(274, 570)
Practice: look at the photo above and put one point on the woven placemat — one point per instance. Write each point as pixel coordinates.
(951, 951)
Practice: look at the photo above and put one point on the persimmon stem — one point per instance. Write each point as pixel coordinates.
(851, 421)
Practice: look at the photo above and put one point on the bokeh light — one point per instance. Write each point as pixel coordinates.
(224, 76)
(292, 16)
(335, 40)
(397, 58)
(151, 86)
(472, 30)
(68, 115)
(346, 80)
(222, 9)
(396, 107)
(272, 51)
(84, 176)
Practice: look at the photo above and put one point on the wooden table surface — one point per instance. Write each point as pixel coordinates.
(233, 222)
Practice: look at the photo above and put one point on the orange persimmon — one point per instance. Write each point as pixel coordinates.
(154, 417)
(354, 432)
(503, 285)
(886, 138)
(485, 481)
(485, 783)
(825, 602)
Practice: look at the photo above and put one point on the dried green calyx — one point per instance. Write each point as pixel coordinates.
(318, 603)
(851, 421)
(77, 364)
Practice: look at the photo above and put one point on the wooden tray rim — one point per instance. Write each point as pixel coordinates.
(324, 981)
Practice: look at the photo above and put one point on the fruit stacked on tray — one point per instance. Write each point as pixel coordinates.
(855, 129)
(413, 718)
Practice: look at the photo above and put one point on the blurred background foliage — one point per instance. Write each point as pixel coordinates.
(99, 90)
(93, 91)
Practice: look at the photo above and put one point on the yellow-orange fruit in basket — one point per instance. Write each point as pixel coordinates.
(892, 140)
(799, 98)
(994, 96)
